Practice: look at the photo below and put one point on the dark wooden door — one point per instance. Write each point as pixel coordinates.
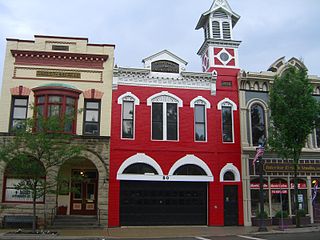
(84, 193)
(231, 215)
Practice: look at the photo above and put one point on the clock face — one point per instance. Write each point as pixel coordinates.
(224, 57)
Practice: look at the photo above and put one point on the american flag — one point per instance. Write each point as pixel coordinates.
(315, 190)
(259, 153)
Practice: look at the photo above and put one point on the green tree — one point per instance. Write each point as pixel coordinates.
(36, 151)
(294, 115)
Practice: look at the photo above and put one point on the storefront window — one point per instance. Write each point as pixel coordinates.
(302, 196)
(255, 197)
(279, 196)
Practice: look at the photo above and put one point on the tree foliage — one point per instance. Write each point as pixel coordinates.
(35, 151)
(294, 115)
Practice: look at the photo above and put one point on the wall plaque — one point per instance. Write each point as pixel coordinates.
(58, 74)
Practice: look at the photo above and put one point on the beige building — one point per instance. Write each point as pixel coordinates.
(278, 175)
(57, 75)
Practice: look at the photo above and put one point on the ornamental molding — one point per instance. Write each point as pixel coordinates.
(128, 96)
(144, 77)
(166, 97)
(59, 55)
(200, 101)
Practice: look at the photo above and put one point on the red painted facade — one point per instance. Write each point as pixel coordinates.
(214, 152)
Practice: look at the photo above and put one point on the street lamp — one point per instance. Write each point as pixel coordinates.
(259, 161)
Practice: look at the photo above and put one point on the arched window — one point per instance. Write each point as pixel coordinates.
(256, 86)
(140, 168)
(165, 116)
(226, 30)
(229, 176)
(200, 105)
(258, 124)
(227, 107)
(19, 177)
(216, 29)
(190, 169)
(128, 102)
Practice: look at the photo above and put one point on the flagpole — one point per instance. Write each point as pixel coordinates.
(260, 161)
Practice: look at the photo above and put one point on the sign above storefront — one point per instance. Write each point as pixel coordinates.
(289, 167)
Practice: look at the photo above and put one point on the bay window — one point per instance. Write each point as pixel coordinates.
(57, 101)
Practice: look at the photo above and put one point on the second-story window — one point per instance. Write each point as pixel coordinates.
(128, 102)
(57, 101)
(227, 107)
(127, 119)
(91, 118)
(227, 124)
(200, 106)
(258, 128)
(18, 112)
(165, 122)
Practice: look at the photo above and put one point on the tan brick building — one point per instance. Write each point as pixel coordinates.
(57, 74)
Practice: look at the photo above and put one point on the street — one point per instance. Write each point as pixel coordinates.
(294, 236)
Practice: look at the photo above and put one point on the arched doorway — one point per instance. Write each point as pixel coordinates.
(78, 188)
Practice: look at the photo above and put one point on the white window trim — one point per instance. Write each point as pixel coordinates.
(140, 158)
(229, 167)
(265, 109)
(191, 159)
(206, 105)
(234, 107)
(179, 102)
(135, 101)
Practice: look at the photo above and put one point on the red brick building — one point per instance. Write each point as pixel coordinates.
(175, 153)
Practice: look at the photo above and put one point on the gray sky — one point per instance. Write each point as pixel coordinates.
(268, 29)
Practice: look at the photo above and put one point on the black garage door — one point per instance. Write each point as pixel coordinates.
(163, 203)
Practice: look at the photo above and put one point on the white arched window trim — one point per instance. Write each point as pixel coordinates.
(229, 167)
(140, 158)
(163, 94)
(193, 160)
(200, 99)
(165, 97)
(265, 108)
(227, 101)
(130, 97)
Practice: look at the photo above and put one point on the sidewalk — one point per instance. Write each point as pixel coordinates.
(155, 232)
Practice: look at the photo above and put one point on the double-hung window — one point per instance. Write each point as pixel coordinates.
(164, 121)
(200, 106)
(227, 107)
(128, 102)
(127, 119)
(91, 118)
(164, 116)
(19, 112)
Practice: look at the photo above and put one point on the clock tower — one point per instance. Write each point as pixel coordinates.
(219, 50)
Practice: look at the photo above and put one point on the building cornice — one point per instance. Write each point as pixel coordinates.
(144, 77)
(218, 42)
(60, 55)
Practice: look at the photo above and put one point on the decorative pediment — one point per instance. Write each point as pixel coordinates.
(165, 62)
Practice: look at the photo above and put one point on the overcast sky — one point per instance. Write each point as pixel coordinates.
(268, 29)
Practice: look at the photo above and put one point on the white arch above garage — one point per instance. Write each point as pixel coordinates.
(192, 160)
(229, 167)
(140, 158)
